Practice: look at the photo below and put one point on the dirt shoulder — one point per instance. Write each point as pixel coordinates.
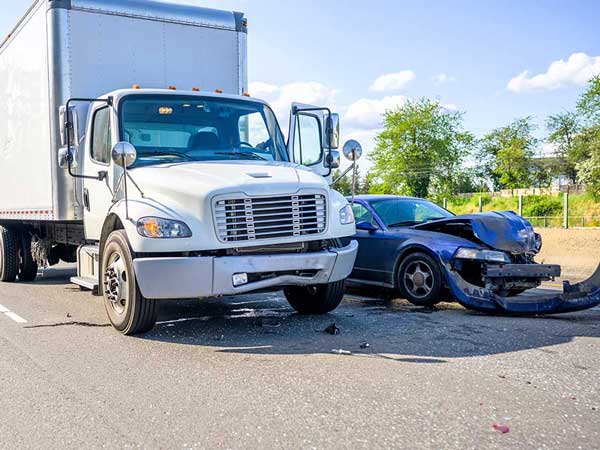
(576, 250)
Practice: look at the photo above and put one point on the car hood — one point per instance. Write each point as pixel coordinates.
(504, 231)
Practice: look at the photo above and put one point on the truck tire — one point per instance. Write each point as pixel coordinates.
(9, 258)
(317, 299)
(419, 279)
(128, 311)
(28, 267)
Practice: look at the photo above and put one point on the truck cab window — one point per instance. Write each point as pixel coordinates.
(101, 136)
(308, 147)
(172, 129)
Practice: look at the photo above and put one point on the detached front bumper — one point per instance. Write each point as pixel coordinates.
(574, 297)
(197, 277)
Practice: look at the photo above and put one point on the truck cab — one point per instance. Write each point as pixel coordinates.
(160, 189)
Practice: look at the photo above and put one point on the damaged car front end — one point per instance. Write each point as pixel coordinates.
(497, 274)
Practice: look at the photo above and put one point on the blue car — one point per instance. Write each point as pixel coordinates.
(484, 261)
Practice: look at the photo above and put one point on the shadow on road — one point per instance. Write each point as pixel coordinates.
(376, 327)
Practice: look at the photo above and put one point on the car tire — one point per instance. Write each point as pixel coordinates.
(28, 267)
(419, 279)
(9, 254)
(127, 309)
(317, 299)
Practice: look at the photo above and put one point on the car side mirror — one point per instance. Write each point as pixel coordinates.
(124, 154)
(366, 226)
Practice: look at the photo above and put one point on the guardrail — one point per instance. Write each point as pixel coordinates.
(558, 221)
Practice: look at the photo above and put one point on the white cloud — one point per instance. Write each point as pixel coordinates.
(450, 107)
(367, 114)
(280, 98)
(393, 81)
(577, 70)
(260, 89)
(442, 78)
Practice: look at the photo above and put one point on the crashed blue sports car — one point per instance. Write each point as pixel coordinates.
(484, 261)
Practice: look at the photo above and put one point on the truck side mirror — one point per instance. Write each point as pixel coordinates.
(73, 120)
(332, 131)
(352, 150)
(124, 154)
(333, 159)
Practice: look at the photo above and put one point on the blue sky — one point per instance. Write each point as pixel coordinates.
(464, 53)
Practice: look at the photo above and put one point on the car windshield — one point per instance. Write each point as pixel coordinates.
(167, 129)
(399, 212)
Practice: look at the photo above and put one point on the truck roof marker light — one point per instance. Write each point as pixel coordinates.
(172, 88)
(219, 91)
(196, 89)
(136, 86)
(246, 94)
(165, 110)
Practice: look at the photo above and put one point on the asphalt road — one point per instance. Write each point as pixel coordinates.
(247, 372)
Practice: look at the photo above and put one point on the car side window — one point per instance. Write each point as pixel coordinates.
(101, 136)
(362, 214)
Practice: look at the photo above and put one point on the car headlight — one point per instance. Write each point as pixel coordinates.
(346, 215)
(155, 227)
(481, 255)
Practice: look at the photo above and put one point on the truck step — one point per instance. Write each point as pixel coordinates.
(90, 284)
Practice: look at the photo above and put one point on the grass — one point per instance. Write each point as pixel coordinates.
(582, 205)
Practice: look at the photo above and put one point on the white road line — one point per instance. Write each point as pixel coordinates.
(8, 313)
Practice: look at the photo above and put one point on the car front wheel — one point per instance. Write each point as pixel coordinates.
(419, 279)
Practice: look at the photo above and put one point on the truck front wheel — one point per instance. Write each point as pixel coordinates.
(317, 299)
(9, 254)
(128, 311)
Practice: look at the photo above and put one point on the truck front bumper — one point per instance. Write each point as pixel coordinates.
(197, 277)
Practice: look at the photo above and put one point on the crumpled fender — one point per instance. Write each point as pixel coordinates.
(575, 297)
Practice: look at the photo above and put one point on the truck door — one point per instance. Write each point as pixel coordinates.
(308, 141)
(97, 195)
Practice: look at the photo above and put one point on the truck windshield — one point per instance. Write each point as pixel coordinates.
(167, 129)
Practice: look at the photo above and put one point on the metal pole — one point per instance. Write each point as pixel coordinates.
(566, 210)
(445, 203)
(480, 203)
(353, 175)
(125, 187)
(521, 205)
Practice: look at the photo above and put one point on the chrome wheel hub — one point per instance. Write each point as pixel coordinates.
(418, 279)
(116, 287)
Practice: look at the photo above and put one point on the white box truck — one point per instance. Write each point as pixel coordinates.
(129, 145)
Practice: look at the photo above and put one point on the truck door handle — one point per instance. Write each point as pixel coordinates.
(86, 199)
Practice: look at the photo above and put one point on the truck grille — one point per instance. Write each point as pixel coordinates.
(249, 219)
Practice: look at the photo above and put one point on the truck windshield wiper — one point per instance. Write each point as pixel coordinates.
(169, 153)
(246, 154)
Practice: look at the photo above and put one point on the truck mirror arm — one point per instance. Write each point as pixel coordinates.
(69, 126)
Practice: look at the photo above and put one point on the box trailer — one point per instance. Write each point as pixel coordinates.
(129, 144)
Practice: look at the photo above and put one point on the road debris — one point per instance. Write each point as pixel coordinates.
(269, 322)
(501, 428)
(333, 329)
(365, 345)
(341, 352)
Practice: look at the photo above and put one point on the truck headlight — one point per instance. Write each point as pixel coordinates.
(346, 215)
(157, 228)
(481, 255)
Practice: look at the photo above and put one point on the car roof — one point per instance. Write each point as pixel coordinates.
(371, 197)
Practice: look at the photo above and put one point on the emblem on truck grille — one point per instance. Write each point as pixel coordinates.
(257, 218)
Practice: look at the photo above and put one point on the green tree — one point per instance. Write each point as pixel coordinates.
(588, 169)
(344, 184)
(420, 150)
(506, 155)
(589, 102)
(563, 128)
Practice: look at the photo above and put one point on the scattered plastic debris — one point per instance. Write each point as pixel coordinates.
(69, 315)
(501, 428)
(332, 329)
(341, 352)
(365, 345)
(220, 338)
(269, 322)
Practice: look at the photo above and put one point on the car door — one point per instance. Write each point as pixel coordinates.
(370, 262)
(98, 194)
